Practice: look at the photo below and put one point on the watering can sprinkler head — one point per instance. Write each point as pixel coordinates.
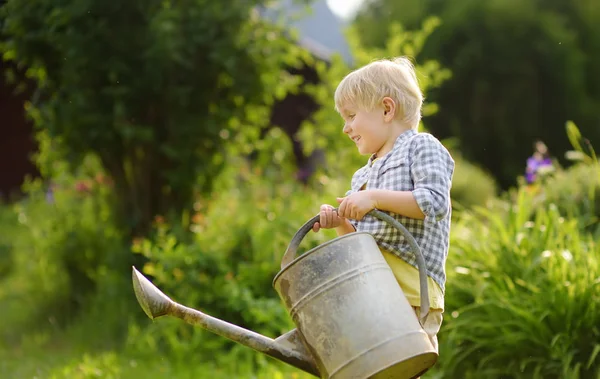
(151, 299)
(288, 348)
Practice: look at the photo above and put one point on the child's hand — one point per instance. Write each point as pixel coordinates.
(328, 218)
(357, 205)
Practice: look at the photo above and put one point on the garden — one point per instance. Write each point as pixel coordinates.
(155, 150)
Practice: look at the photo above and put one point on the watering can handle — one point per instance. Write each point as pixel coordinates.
(290, 253)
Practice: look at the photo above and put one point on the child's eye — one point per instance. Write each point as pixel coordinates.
(351, 116)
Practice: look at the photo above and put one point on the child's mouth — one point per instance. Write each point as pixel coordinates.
(356, 139)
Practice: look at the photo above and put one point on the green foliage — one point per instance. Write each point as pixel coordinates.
(520, 69)
(104, 366)
(523, 283)
(238, 235)
(60, 251)
(524, 291)
(576, 191)
(471, 185)
(240, 232)
(154, 88)
(10, 226)
(580, 144)
(72, 364)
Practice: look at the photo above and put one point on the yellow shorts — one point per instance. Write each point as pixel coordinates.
(408, 278)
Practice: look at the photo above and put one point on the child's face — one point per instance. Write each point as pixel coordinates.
(541, 147)
(367, 129)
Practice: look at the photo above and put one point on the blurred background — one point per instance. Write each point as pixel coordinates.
(193, 138)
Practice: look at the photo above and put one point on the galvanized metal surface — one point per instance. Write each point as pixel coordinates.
(287, 348)
(353, 315)
(290, 252)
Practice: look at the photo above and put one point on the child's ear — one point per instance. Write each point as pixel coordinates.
(389, 108)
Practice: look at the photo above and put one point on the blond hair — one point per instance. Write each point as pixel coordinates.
(366, 87)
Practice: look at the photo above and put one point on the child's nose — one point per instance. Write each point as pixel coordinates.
(346, 128)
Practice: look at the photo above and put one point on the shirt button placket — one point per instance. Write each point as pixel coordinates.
(374, 174)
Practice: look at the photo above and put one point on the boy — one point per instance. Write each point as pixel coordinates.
(408, 176)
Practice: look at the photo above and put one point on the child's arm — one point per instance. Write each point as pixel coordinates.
(345, 228)
(399, 202)
(358, 204)
(431, 173)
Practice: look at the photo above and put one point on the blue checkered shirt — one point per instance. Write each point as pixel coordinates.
(418, 162)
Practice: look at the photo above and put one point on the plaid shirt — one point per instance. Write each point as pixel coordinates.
(418, 162)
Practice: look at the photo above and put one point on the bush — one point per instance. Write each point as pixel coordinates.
(226, 269)
(523, 296)
(576, 190)
(65, 248)
(576, 193)
(114, 364)
(154, 89)
(471, 185)
(9, 227)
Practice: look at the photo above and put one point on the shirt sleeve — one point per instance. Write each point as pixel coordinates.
(431, 170)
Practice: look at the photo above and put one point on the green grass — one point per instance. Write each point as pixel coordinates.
(524, 289)
(62, 362)
(65, 363)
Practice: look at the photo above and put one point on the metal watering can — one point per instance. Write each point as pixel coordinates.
(352, 318)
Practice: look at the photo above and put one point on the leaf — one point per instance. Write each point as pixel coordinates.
(574, 136)
(592, 359)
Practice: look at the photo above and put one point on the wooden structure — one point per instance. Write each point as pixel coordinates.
(16, 139)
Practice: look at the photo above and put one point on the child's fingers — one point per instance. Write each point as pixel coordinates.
(330, 215)
(336, 216)
(316, 227)
(323, 219)
(342, 209)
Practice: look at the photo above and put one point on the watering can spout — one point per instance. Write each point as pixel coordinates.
(288, 348)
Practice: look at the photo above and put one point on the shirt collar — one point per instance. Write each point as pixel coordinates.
(399, 141)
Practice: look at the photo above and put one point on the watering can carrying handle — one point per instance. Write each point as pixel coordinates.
(290, 253)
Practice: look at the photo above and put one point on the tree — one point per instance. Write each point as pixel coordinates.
(153, 88)
(520, 70)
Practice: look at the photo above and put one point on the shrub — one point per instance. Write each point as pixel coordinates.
(226, 269)
(523, 296)
(576, 190)
(154, 89)
(576, 193)
(64, 248)
(471, 185)
(9, 226)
